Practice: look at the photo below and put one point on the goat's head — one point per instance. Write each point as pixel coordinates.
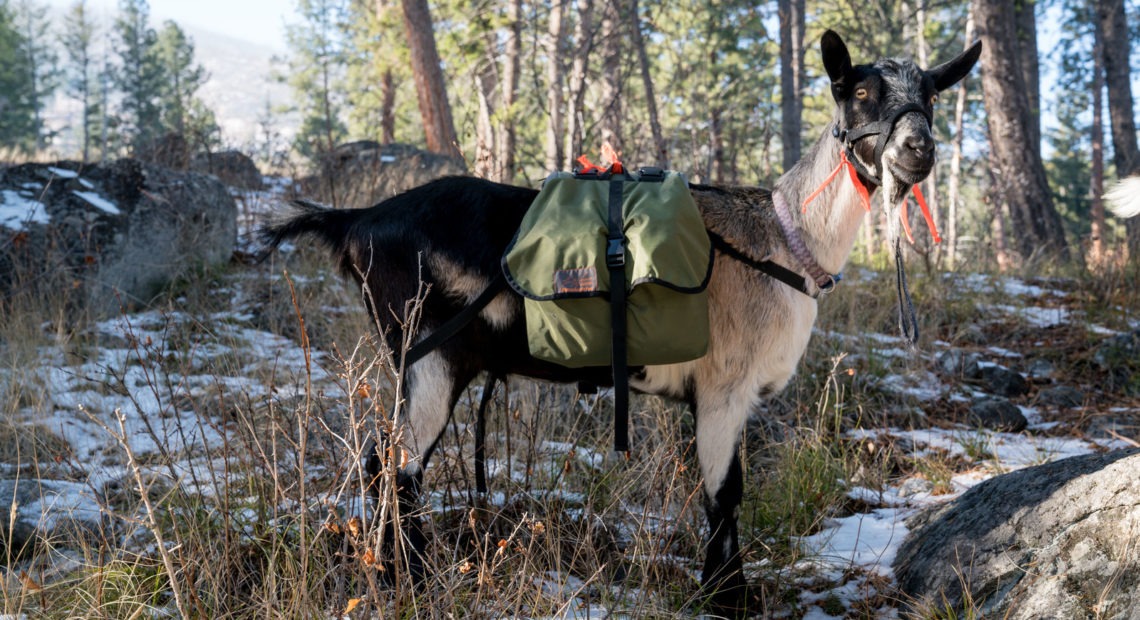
(891, 100)
(885, 112)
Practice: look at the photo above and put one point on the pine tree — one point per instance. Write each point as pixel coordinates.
(139, 77)
(182, 112)
(316, 76)
(82, 78)
(41, 63)
(17, 113)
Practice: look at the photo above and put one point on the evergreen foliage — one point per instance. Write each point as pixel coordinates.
(17, 104)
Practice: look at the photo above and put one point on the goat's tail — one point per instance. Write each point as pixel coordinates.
(1124, 197)
(304, 217)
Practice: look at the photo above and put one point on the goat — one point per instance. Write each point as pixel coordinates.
(1124, 197)
(451, 233)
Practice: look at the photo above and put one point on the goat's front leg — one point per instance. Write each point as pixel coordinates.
(433, 387)
(718, 436)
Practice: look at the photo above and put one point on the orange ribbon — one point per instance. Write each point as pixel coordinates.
(865, 197)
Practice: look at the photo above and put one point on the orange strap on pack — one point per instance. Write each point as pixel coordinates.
(608, 154)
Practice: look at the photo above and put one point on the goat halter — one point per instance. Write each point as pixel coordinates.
(884, 129)
(856, 169)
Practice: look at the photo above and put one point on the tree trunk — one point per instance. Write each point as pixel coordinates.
(660, 149)
(930, 190)
(1026, 41)
(612, 80)
(484, 127)
(439, 128)
(1117, 77)
(1021, 173)
(584, 44)
(956, 158)
(555, 61)
(1096, 186)
(509, 93)
(387, 108)
(791, 79)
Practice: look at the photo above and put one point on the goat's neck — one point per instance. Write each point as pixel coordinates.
(832, 220)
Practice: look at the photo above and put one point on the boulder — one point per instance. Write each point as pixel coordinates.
(1119, 358)
(1002, 381)
(109, 236)
(360, 174)
(1063, 396)
(234, 168)
(997, 414)
(1056, 541)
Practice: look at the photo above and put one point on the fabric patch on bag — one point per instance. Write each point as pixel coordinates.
(581, 280)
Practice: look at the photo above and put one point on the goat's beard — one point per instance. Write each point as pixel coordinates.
(893, 192)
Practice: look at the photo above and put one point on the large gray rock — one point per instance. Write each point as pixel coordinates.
(234, 168)
(1059, 541)
(360, 174)
(109, 236)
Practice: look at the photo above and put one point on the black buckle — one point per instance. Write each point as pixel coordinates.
(615, 252)
(651, 174)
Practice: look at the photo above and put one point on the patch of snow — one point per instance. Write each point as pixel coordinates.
(98, 201)
(868, 541)
(1035, 316)
(63, 173)
(16, 211)
(921, 385)
(1001, 352)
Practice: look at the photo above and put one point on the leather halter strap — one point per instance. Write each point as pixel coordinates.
(884, 129)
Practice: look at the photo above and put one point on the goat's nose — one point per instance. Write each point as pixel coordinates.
(921, 143)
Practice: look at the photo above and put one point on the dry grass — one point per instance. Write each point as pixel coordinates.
(273, 520)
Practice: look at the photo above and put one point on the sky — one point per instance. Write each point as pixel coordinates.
(260, 21)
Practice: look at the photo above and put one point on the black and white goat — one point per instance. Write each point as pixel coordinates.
(452, 232)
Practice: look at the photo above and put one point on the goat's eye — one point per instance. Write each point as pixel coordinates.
(933, 99)
(860, 93)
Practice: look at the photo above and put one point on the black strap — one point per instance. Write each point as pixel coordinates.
(883, 129)
(481, 433)
(775, 270)
(908, 320)
(448, 330)
(615, 262)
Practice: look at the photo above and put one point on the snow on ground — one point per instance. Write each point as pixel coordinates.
(146, 359)
(128, 391)
(17, 210)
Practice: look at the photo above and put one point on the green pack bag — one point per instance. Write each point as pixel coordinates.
(558, 263)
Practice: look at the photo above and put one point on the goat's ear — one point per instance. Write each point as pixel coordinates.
(950, 73)
(836, 58)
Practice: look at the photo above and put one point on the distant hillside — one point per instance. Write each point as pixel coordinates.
(238, 88)
(240, 84)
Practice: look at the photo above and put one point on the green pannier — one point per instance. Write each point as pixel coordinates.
(558, 263)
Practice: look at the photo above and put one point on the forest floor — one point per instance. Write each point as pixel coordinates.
(203, 456)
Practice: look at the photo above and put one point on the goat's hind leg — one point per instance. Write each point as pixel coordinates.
(432, 388)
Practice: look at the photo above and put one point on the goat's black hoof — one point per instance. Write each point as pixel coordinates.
(731, 598)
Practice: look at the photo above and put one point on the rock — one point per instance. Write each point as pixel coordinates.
(1001, 381)
(170, 150)
(109, 236)
(360, 174)
(1054, 541)
(1041, 369)
(234, 168)
(1061, 396)
(1119, 358)
(997, 414)
(958, 363)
